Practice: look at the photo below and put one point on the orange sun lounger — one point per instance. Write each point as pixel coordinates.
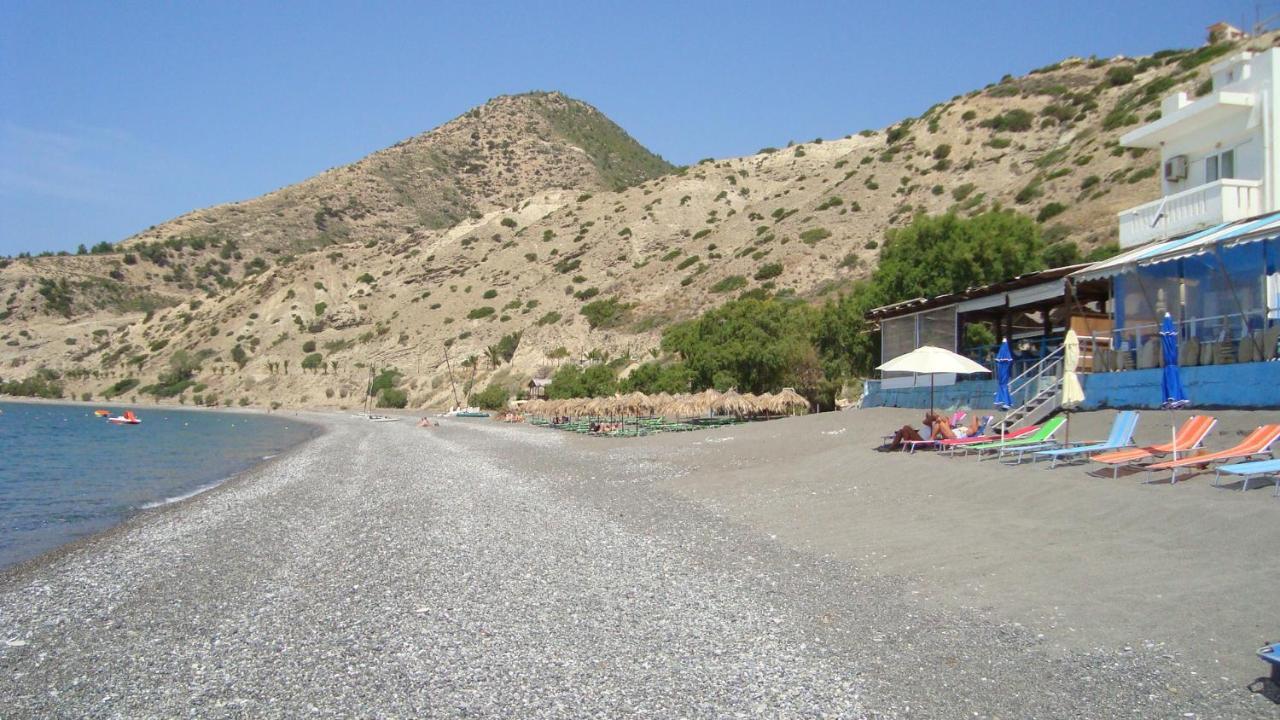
(1190, 435)
(1258, 442)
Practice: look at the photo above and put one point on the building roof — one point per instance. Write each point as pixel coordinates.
(1260, 227)
(915, 305)
(540, 382)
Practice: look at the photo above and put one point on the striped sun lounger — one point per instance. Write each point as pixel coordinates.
(1121, 437)
(1251, 470)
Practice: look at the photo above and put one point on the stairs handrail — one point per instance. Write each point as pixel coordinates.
(1036, 369)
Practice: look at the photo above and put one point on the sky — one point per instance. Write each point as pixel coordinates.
(115, 116)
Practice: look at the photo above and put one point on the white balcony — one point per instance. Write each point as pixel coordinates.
(1200, 207)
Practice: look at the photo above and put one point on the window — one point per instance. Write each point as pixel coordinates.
(1220, 166)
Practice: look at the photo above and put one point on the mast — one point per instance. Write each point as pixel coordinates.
(449, 367)
(471, 387)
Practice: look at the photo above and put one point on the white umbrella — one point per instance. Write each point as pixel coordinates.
(1072, 393)
(930, 360)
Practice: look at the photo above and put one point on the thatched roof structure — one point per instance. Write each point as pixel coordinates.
(789, 401)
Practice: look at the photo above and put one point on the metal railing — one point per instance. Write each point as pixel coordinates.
(1231, 337)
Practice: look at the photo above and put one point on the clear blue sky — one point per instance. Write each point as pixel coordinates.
(118, 115)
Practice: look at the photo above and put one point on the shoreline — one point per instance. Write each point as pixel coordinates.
(143, 513)
(505, 570)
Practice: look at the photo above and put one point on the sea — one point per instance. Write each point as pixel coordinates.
(66, 474)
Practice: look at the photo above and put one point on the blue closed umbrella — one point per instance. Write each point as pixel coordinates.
(1172, 395)
(1171, 382)
(1004, 371)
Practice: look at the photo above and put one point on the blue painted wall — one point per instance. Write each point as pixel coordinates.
(1246, 385)
(968, 393)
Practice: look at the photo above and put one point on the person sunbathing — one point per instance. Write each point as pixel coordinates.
(942, 429)
(907, 432)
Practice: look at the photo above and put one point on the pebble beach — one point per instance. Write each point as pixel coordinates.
(483, 570)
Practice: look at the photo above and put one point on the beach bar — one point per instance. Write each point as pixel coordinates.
(1207, 253)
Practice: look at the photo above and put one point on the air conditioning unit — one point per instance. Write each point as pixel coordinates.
(1175, 168)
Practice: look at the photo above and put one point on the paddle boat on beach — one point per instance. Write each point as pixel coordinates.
(469, 412)
(128, 418)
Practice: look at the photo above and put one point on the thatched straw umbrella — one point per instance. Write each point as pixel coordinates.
(765, 403)
(639, 403)
(704, 402)
(661, 403)
(752, 402)
(731, 403)
(789, 401)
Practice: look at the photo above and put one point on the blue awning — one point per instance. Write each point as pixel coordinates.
(1225, 234)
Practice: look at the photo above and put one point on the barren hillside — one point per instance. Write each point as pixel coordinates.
(536, 215)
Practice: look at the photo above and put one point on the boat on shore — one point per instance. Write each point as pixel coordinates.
(469, 412)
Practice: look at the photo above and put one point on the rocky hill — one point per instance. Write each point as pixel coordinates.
(535, 219)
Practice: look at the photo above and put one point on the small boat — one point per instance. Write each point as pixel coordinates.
(102, 413)
(128, 418)
(466, 412)
(382, 418)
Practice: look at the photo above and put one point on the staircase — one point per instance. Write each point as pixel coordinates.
(1036, 393)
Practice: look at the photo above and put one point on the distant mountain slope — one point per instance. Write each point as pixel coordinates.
(506, 221)
(490, 157)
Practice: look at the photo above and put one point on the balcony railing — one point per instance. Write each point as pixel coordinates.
(1200, 207)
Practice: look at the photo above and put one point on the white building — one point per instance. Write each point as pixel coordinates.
(1218, 153)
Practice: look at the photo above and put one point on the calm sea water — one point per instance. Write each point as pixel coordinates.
(65, 474)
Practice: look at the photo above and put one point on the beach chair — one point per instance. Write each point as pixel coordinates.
(1250, 470)
(1270, 654)
(913, 445)
(1121, 437)
(1189, 437)
(1258, 442)
(959, 444)
(1040, 436)
(1020, 448)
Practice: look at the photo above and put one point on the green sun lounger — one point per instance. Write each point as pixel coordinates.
(1039, 438)
(1121, 437)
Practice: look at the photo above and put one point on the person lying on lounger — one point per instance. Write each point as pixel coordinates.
(908, 432)
(942, 429)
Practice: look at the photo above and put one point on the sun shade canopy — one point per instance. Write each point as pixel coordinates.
(929, 359)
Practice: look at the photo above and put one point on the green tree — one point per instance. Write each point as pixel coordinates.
(940, 254)
(655, 377)
(749, 343)
(493, 397)
(312, 362)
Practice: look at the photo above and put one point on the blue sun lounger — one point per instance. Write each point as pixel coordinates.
(1121, 437)
(1249, 470)
(1270, 654)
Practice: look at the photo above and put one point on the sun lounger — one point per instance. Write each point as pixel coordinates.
(1258, 442)
(913, 445)
(1189, 437)
(959, 444)
(1270, 654)
(1121, 437)
(1020, 448)
(1044, 434)
(1251, 470)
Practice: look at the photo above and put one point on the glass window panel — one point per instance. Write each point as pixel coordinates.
(1227, 164)
(1211, 168)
